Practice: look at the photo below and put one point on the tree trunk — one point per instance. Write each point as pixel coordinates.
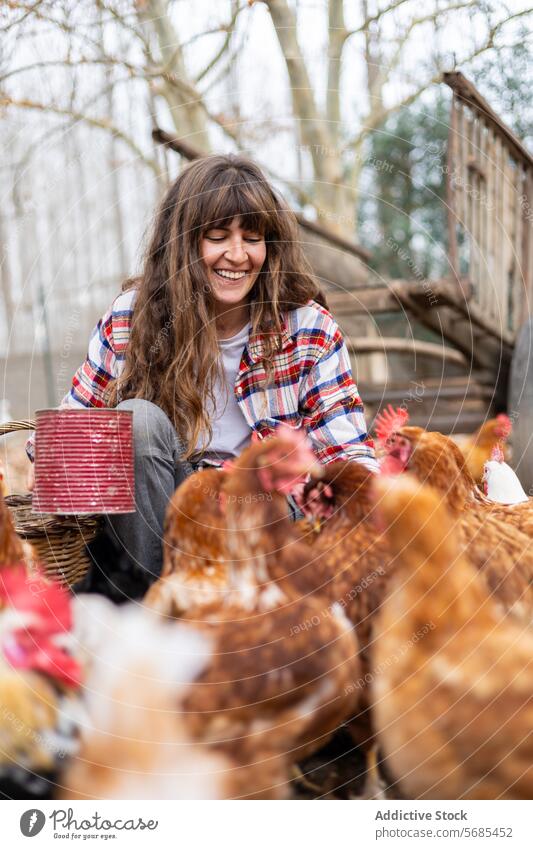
(186, 109)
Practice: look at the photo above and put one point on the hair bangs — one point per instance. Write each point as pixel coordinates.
(238, 198)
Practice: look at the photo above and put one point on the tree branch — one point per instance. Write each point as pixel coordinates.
(98, 123)
(373, 121)
(229, 28)
(371, 19)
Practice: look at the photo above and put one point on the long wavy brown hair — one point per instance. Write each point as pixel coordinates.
(172, 354)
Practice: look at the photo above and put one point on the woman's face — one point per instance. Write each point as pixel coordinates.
(233, 258)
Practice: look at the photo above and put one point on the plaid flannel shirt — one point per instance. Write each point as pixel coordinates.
(312, 385)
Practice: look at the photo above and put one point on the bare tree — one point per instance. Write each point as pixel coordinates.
(370, 39)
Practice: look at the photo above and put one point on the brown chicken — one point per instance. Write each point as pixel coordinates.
(196, 568)
(452, 680)
(218, 519)
(351, 561)
(478, 448)
(283, 659)
(502, 554)
(136, 744)
(346, 563)
(520, 516)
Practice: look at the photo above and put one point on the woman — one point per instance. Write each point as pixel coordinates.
(224, 334)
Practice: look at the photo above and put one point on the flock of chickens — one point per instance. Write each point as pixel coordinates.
(396, 614)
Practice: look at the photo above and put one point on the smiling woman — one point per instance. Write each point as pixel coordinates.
(224, 335)
(233, 257)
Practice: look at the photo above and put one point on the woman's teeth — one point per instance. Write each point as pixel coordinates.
(231, 275)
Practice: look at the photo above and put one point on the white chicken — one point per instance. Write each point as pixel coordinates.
(500, 482)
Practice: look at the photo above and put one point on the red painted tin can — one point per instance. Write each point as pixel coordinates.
(84, 461)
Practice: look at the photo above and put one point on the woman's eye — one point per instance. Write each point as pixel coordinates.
(221, 235)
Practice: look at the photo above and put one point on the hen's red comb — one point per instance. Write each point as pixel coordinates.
(497, 453)
(389, 421)
(34, 594)
(504, 427)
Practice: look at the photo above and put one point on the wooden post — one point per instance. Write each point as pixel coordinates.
(451, 191)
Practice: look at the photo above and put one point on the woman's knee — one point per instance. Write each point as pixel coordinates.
(152, 429)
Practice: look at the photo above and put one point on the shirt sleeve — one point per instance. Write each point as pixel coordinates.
(333, 412)
(91, 380)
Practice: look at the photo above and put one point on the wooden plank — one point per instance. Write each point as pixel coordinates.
(513, 253)
(484, 350)
(470, 95)
(443, 326)
(451, 190)
(458, 168)
(500, 155)
(506, 239)
(479, 171)
(455, 422)
(471, 187)
(387, 298)
(484, 214)
(420, 392)
(392, 344)
(526, 205)
(507, 235)
(363, 301)
(467, 197)
(491, 222)
(462, 381)
(517, 247)
(460, 422)
(448, 296)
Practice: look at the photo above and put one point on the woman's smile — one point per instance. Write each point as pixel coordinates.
(226, 274)
(233, 257)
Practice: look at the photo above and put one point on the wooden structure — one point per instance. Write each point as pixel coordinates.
(485, 303)
(489, 182)
(468, 322)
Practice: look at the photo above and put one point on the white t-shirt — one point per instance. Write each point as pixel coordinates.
(231, 431)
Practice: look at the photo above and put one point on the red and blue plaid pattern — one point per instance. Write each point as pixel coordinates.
(312, 384)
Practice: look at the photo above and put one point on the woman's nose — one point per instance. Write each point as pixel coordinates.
(235, 252)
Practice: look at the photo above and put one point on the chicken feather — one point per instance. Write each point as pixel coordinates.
(452, 680)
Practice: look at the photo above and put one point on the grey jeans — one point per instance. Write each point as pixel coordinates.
(159, 469)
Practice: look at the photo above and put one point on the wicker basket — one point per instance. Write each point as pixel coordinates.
(60, 541)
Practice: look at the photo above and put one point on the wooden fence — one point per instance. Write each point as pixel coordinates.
(490, 197)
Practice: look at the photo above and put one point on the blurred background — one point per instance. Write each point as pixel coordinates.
(342, 103)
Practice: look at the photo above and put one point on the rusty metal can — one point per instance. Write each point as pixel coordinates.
(84, 461)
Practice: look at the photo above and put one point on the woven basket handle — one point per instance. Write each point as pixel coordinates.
(11, 427)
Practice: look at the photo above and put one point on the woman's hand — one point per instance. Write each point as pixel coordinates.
(30, 478)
